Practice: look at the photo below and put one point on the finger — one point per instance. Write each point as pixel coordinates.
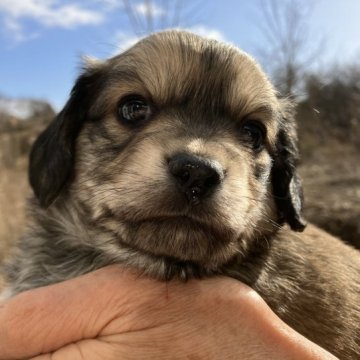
(45, 319)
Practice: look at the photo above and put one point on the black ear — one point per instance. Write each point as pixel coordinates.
(286, 183)
(52, 155)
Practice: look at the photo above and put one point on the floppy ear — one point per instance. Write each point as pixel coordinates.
(286, 183)
(52, 155)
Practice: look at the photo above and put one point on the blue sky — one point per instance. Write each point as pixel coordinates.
(41, 41)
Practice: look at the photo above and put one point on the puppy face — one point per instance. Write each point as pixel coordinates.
(178, 147)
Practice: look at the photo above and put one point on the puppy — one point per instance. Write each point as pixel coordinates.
(177, 158)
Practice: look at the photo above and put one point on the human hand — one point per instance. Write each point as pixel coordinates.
(113, 314)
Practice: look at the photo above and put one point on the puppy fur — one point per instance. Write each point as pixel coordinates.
(104, 193)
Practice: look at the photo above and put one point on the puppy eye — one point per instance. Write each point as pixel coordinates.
(134, 110)
(254, 133)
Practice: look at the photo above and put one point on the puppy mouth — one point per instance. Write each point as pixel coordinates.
(181, 220)
(182, 237)
(177, 223)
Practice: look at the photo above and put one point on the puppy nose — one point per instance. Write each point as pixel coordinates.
(197, 177)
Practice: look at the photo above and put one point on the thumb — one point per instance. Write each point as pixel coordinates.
(45, 319)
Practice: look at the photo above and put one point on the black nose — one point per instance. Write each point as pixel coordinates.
(196, 176)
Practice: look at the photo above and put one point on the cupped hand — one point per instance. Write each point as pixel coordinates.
(113, 314)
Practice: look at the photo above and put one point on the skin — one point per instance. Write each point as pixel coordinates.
(113, 314)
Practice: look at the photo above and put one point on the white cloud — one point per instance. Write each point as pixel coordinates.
(149, 9)
(109, 4)
(49, 13)
(70, 16)
(124, 40)
(210, 33)
(18, 34)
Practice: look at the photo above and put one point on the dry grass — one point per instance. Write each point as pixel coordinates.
(13, 192)
(331, 178)
(16, 138)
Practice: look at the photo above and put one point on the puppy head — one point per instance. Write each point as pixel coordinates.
(178, 147)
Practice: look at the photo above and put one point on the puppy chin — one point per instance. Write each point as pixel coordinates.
(180, 238)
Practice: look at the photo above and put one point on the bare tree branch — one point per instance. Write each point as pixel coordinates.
(165, 7)
(135, 22)
(285, 28)
(190, 12)
(150, 15)
(177, 13)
